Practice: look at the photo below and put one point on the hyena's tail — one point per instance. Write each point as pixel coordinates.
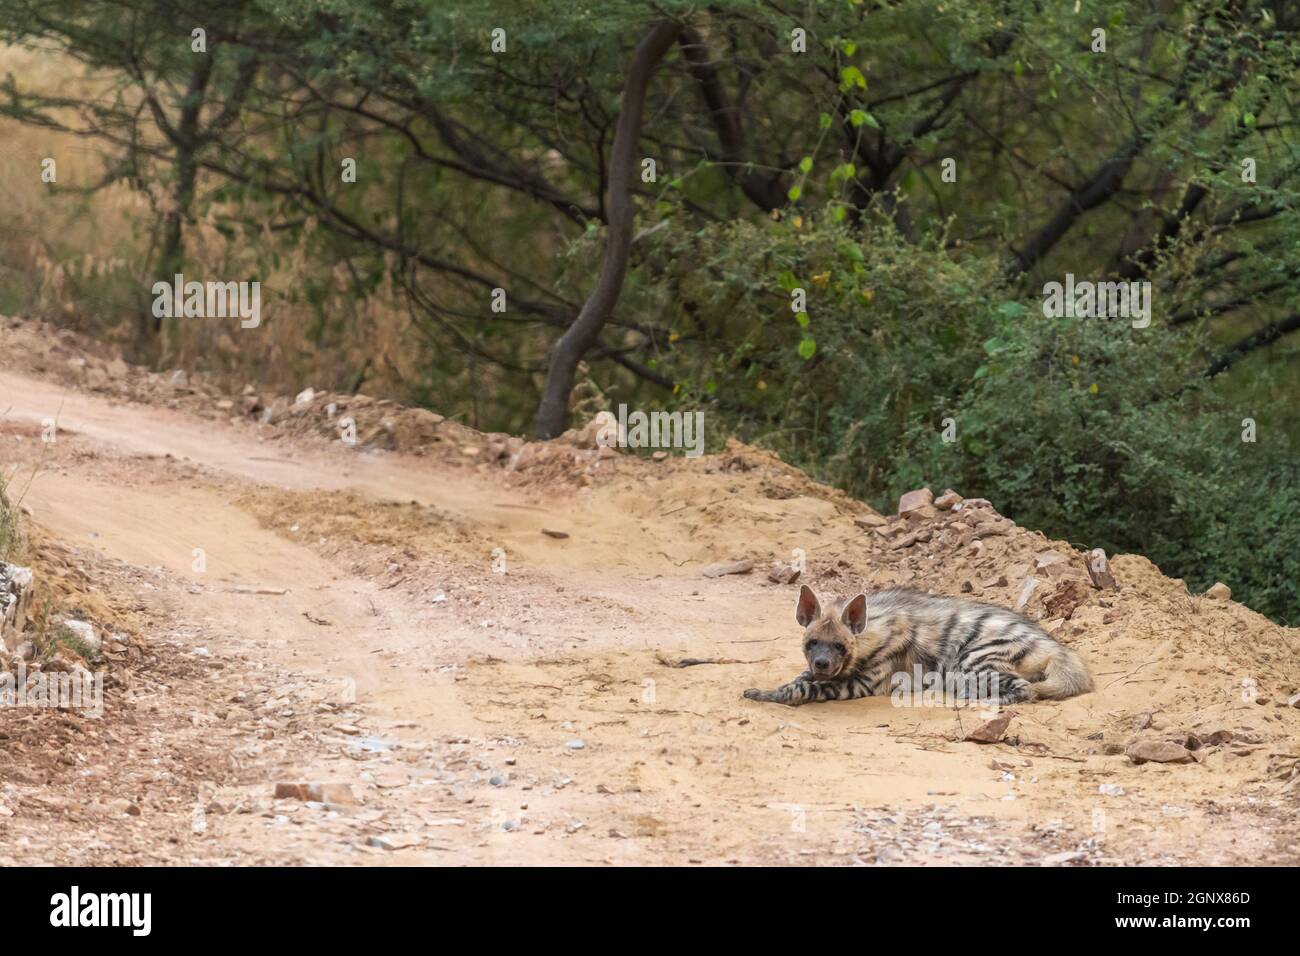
(1065, 675)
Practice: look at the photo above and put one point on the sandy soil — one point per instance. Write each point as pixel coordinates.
(400, 622)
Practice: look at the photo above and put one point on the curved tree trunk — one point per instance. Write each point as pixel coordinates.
(553, 410)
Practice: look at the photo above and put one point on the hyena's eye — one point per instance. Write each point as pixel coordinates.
(808, 646)
(839, 648)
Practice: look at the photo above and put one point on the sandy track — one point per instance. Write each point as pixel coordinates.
(473, 689)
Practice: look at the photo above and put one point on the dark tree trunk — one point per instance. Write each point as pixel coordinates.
(553, 409)
(186, 140)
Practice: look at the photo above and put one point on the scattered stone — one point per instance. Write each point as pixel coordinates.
(1293, 701)
(555, 534)
(352, 730)
(305, 396)
(722, 569)
(948, 500)
(1111, 790)
(1026, 592)
(84, 633)
(1099, 570)
(396, 841)
(1064, 600)
(783, 574)
(391, 779)
(1048, 560)
(1067, 856)
(867, 522)
(914, 500)
(339, 794)
(1219, 592)
(1158, 751)
(991, 731)
(16, 592)
(575, 744)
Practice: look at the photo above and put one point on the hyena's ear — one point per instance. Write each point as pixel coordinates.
(855, 614)
(809, 608)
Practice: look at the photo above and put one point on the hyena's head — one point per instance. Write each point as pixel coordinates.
(830, 637)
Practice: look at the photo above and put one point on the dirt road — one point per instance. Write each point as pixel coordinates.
(493, 693)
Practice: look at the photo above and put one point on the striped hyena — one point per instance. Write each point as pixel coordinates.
(855, 647)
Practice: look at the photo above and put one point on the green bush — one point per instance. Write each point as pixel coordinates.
(1088, 429)
(1111, 437)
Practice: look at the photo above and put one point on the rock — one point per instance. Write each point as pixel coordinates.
(396, 841)
(1158, 751)
(1293, 701)
(1045, 560)
(338, 794)
(16, 593)
(305, 396)
(913, 500)
(1219, 592)
(783, 574)
(948, 500)
(722, 569)
(1026, 592)
(991, 731)
(575, 744)
(867, 522)
(84, 633)
(550, 533)
(1111, 790)
(1099, 570)
(179, 379)
(1064, 600)
(391, 779)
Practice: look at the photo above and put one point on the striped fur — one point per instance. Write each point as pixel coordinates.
(854, 649)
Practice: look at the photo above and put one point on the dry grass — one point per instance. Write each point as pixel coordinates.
(81, 259)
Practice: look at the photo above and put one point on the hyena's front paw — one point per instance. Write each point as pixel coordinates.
(767, 696)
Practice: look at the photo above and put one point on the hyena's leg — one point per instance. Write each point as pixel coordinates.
(803, 690)
(993, 683)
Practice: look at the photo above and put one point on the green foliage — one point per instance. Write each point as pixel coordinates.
(1111, 437)
(891, 327)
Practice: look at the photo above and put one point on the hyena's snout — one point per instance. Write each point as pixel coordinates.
(824, 666)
